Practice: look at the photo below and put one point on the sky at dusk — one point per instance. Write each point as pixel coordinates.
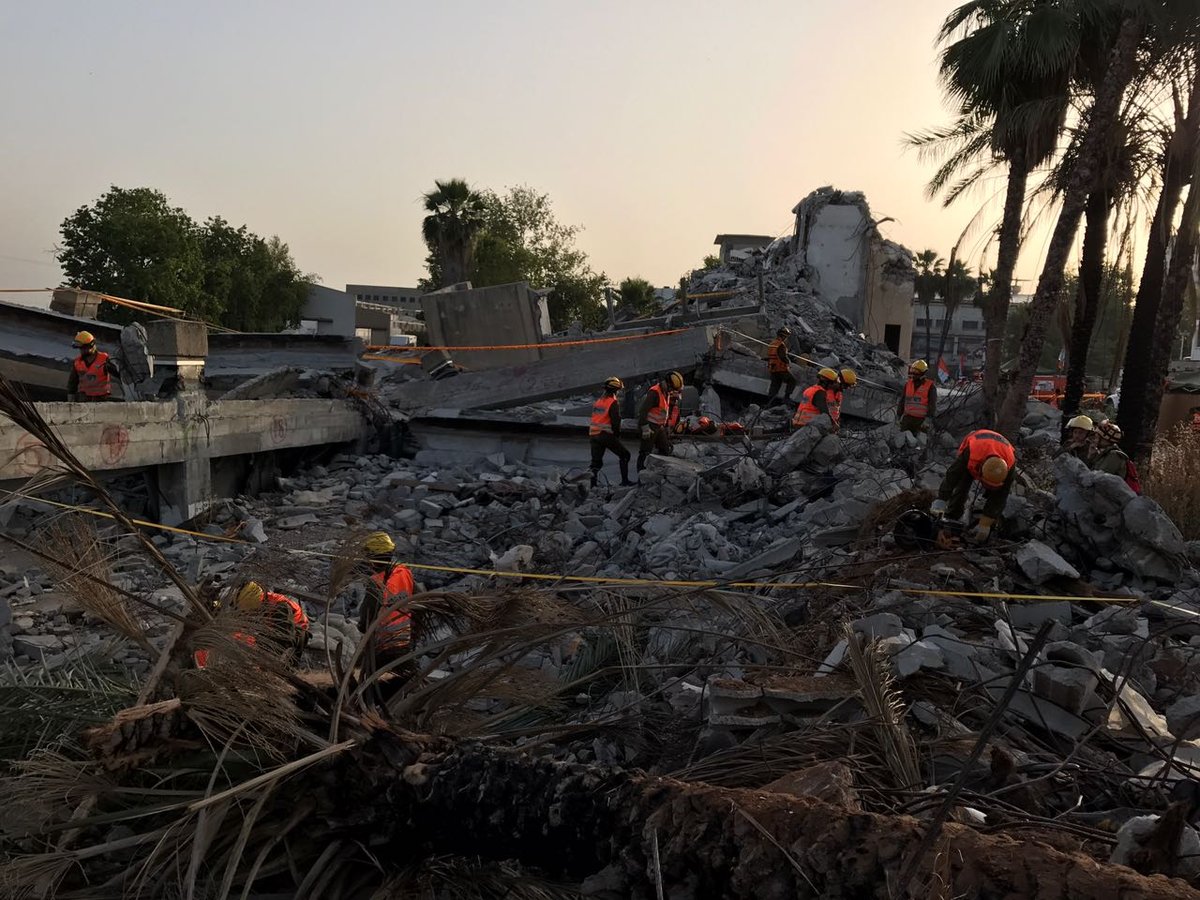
(655, 125)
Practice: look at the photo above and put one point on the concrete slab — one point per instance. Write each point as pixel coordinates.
(568, 371)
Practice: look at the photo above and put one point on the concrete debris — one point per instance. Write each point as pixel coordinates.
(1041, 563)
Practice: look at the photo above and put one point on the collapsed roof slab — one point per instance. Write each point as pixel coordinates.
(571, 370)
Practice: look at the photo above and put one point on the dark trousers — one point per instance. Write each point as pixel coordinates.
(612, 443)
(659, 442)
(912, 423)
(778, 380)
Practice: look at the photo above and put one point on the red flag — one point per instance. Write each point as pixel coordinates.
(943, 370)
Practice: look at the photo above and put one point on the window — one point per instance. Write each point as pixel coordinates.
(970, 324)
(920, 323)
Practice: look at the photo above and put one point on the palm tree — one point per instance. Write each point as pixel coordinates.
(1008, 65)
(1083, 179)
(960, 286)
(456, 218)
(1145, 360)
(928, 279)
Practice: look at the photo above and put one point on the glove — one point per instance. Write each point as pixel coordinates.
(938, 508)
(647, 432)
(982, 530)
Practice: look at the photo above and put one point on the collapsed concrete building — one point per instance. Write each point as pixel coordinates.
(745, 677)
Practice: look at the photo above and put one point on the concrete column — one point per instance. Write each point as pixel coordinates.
(186, 487)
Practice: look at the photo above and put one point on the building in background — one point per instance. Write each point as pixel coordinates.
(965, 337)
(405, 299)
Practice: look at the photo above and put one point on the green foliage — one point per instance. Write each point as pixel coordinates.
(637, 296)
(132, 243)
(457, 216)
(521, 239)
(1116, 296)
(711, 261)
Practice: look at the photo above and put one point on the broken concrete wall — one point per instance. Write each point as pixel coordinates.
(888, 316)
(492, 316)
(866, 279)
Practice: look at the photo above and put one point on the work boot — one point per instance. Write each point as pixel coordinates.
(595, 478)
(624, 464)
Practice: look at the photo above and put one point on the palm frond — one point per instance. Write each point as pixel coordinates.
(877, 688)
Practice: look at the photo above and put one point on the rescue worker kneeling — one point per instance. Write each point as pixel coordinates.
(385, 610)
(986, 458)
(285, 625)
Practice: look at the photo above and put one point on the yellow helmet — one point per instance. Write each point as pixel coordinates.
(994, 472)
(848, 377)
(919, 367)
(379, 543)
(1084, 422)
(675, 380)
(827, 373)
(250, 596)
(84, 338)
(613, 383)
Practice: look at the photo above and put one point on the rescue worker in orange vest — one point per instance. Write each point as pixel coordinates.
(653, 414)
(286, 623)
(92, 371)
(779, 366)
(918, 400)
(604, 433)
(391, 585)
(818, 399)
(847, 378)
(985, 457)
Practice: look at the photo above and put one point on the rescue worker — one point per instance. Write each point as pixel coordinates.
(653, 413)
(391, 585)
(92, 371)
(1110, 458)
(818, 399)
(287, 623)
(847, 378)
(604, 432)
(779, 366)
(1079, 439)
(985, 457)
(918, 400)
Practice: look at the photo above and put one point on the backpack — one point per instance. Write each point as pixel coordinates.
(1132, 478)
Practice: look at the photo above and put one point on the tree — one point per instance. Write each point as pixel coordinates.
(958, 286)
(1082, 180)
(132, 243)
(1009, 71)
(456, 215)
(637, 296)
(521, 239)
(1145, 370)
(254, 282)
(927, 283)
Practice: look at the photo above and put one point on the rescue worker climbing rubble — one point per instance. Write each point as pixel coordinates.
(1079, 439)
(386, 603)
(779, 367)
(92, 371)
(1111, 459)
(918, 401)
(604, 432)
(817, 399)
(984, 457)
(653, 413)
